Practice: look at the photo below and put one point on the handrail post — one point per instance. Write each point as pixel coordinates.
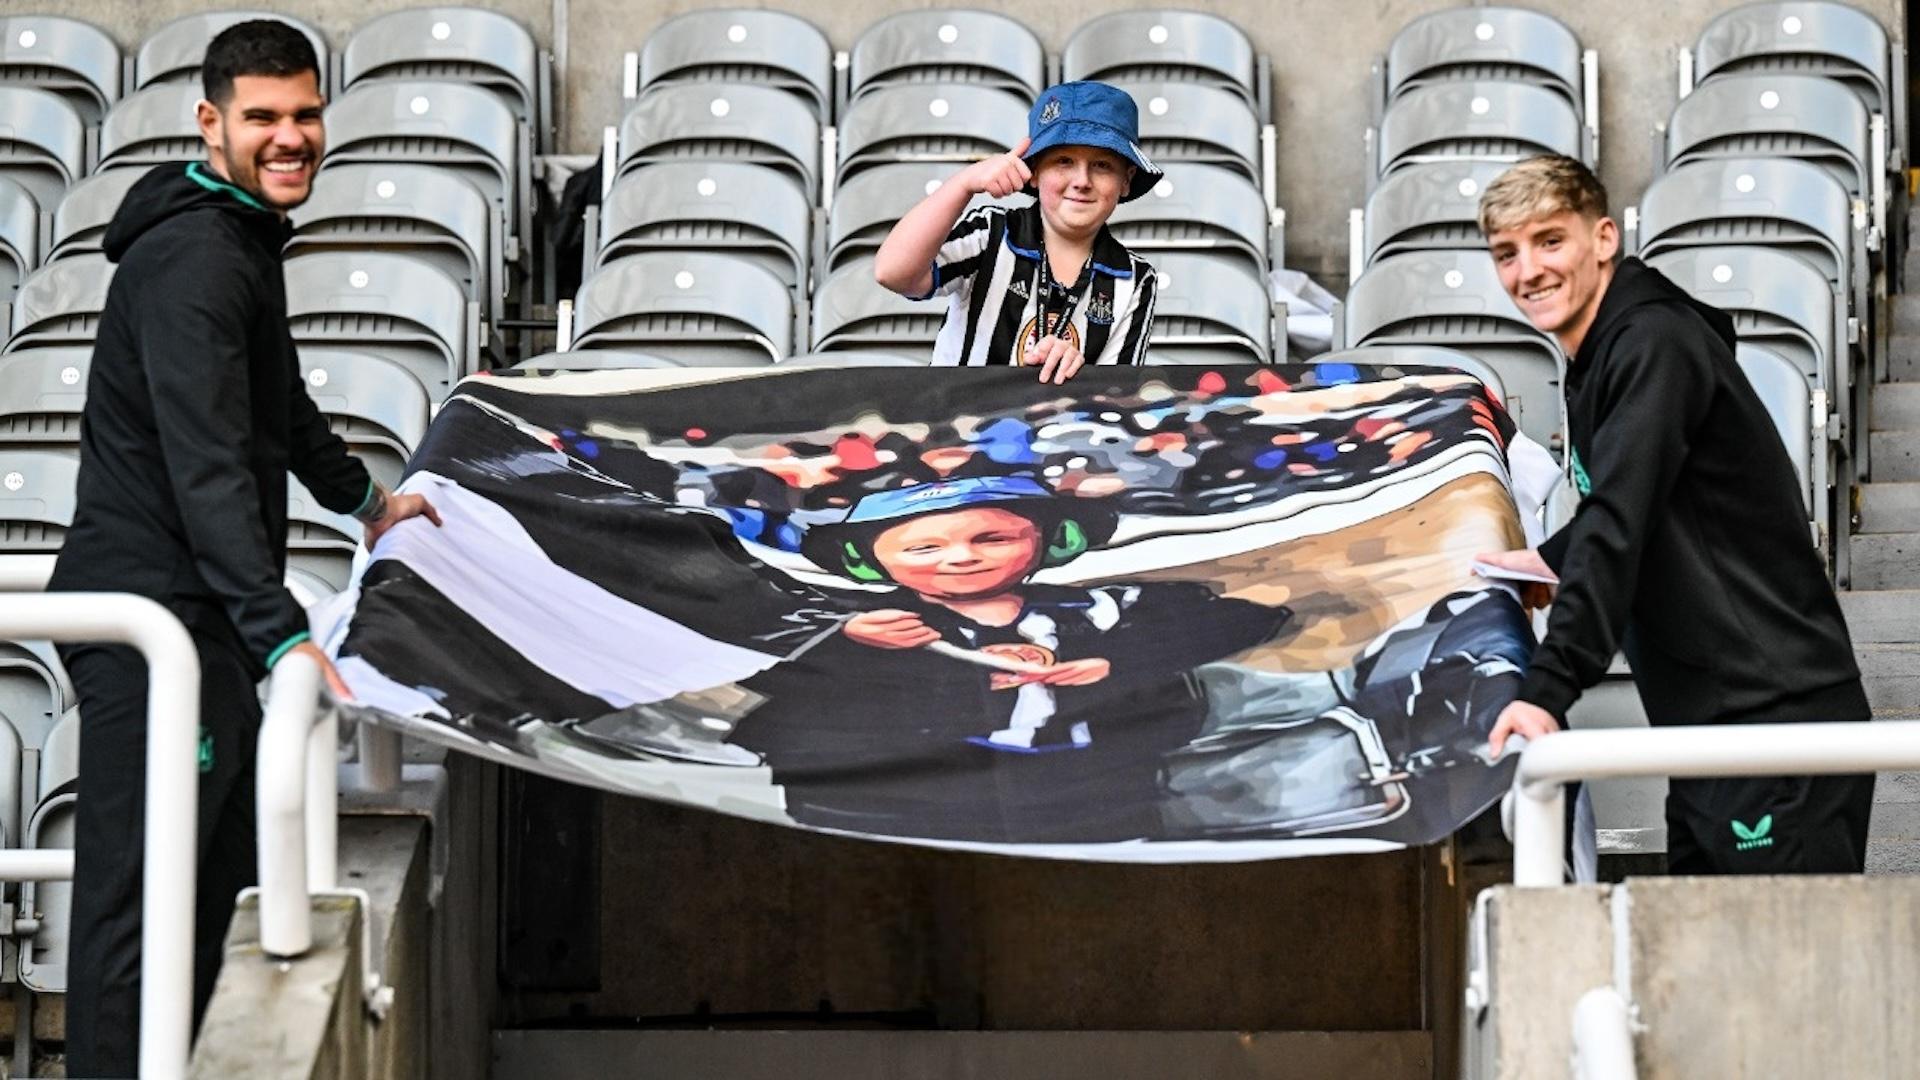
(283, 780)
(1539, 834)
(1603, 1036)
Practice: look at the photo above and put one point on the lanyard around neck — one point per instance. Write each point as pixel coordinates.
(1045, 287)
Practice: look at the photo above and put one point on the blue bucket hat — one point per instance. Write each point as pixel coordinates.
(1092, 114)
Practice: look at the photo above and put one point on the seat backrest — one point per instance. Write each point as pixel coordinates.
(867, 206)
(1393, 357)
(1199, 300)
(852, 311)
(749, 211)
(402, 207)
(152, 126)
(597, 360)
(760, 125)
(948, 45)
(1772, 202)
(364, 299)
(1783, 390)
(1434, 204)
(663, 301)
(916, 122)
(1811, 38)
(432, 123)
(41, 394)
(34, 692)
(737, 45)
(36, 499)
(1200, 209)
(60, 303)
(43, 142)
(174, 52)
(80, 220)
(1800, 116)
(19, 236)
(1196, 123)
(1161, 45)
(1775, 299)
(461, 44)
(385, 398)
(1479, 121)
(1477, 44)
(861, 358)
(77, 60)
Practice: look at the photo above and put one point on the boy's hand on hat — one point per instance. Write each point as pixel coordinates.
(889, 628)
(1058, 359)
(1000, 175)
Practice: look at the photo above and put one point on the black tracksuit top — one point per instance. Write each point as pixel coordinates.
(1690, 548)
(195, 412)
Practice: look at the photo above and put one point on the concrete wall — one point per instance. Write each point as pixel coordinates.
(1320, 51)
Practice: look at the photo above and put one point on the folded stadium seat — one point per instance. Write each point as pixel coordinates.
(19, 237)
(1453, 299)
(858, 358)
(1829, 40)
(34, 693)
(700, 309)
(1476, 121)
(1776, 300)
(60, 303)
(80, 220)
(928, 123)
(320, 543)
(462, 129)
(419, 211)
(173, 52)
(403, 309)
(43, 957)
(1401, 357)
(1165, 46)
(1796, 116)
(1205, 125)
(597, 360)
(947, 46)
(456, 44)
(852, 312)
(867, 207)
(376, 406)
(41, 393)
(1433, 205)
(43, 142)
(1480, 44)
(152, 127)
(735, 46)
(726, 207)
(1206, 311)
(36, 499)
(77, 60)
(758, 125)
(1783, 390)
(1201, 210)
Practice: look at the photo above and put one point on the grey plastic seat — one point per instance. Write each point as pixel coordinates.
(948, 46)
(1477, 121)
(36, 499)
(173, 53)
(152, 127)
(414, 210)
(917, 122)
(701, 309)
(598, 360)
(758, 125)
(1204, 125)
(1480, 44)
(400, 308)
(1783, 390)
(747, 211)
(19, 236)
(463, 129)
(43, 142)
(1454, 300)
(80, 220)
(1201, 210)
(1777, 300)
(1164, 46)
(43, 957)
(858, 358)
(852, 312)
(1833, 41)
(454, 44)
(320, 542)
(1432, 205)
(867, 207)
(35, 692)
(41, 394)
(742, 46)
(1798, 116)
(60, 304)
(377, 407)
(77, 60)
(1207, 308)
(1396, 358)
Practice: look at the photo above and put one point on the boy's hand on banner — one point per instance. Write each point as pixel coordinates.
(1520, 718)
(1000, 175)
(1059, 360)
(399, 509)
(889, 628)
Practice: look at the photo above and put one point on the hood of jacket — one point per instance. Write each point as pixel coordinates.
(167, 191)
(1634, 285)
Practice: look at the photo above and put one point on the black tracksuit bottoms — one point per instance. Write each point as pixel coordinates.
(103, 963)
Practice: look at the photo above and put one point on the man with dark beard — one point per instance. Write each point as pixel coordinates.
(195, 413)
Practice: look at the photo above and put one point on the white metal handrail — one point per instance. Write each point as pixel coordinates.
(1548, 764)
(172, 800)
(298, 788)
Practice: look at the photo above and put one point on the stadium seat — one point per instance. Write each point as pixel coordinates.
(41, 394)
(43, 142)
(1476, 121)
(60, 303)
(1402, 357)
(734, 46)
(1433, 205)
(173, 52)
(948, 46)
(418, 211)
(34, 693)
(378, 407)
(153, 126)
(747, 211)
(852, 312)
(758, 125)
(1199, 209)
(1776, 300)
(1783, 390)
(703, 310)
(866, 207)
(1833, 41)
(453, 44)
(1797, 116)
(1204, 125)
(597, 360)
(76, 60)
(43, 957)
(19, 237)
(1165, 46)
(858, 358)
(1453, 299)
(80, 220)
(399, 308)
(320, 543)
(36, 499)
(1209, 312)
(1485, 44)
(926, 123)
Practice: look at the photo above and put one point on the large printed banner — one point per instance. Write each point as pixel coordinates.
(1156, 615)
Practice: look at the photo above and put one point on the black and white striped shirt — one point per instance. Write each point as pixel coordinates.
(989, 270)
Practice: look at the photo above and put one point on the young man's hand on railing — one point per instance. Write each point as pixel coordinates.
(1519, 718)
(335, 683)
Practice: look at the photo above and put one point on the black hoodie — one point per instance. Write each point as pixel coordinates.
(195, 411)
(1690, 548)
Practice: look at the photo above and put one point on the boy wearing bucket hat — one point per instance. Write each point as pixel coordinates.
(1045, 285)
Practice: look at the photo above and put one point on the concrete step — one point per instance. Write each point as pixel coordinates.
(1906, 314)
(1891, 673)
(1896, 455)
(1896, 407)
(1882, 616)
(1886, 560)
(1890, 508)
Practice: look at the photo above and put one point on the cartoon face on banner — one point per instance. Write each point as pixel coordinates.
(1157, 614)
